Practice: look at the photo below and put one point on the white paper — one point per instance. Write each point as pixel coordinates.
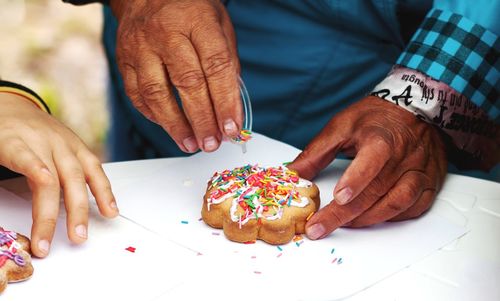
(100, 269)
(230, 271)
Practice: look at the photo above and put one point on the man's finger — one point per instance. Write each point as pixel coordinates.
(333, 215)
(132, 89)
(76, 198)
(156, 91)
(369, 161)
(398, 199)
(98, 183)
(220, 69)
(321, 150)
(419, 207)
(186, 74)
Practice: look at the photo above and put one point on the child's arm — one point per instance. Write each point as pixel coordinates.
(51, 156)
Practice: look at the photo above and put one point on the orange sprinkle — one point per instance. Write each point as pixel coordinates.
(297, 238)
(309, 216)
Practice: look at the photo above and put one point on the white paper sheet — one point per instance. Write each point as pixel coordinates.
(100, 269)
(163, 201)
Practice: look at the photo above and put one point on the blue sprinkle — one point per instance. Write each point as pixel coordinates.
(297, 243)
(185, 222)
(339, 261)
(279, 248)
(333, 250)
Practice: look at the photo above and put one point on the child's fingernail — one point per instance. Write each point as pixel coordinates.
(315, 231)
(81, 231)
(343, 196)
(230, 127)
(44, 246)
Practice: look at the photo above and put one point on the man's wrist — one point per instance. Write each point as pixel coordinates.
(468, 126)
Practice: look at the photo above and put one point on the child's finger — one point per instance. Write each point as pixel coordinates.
(74, 188)
(18, 157)
(98, 183)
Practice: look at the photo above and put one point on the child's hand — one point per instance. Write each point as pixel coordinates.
(51, 157)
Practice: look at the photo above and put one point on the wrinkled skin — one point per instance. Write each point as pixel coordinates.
(189, 45)
(399, 166)
(52, 157)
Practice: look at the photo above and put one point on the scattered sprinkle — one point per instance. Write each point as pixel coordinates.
(257, 272)
(185, 222)
(130, 249)
(340, 261)
(253, 257)
(333, 250)
(215, 233)
(279, 248)
(334, 260)
(200, 219)
(297, 238)
(249, 242)
(199, 254)
(309, 216)
(286, 163)
(279, 255)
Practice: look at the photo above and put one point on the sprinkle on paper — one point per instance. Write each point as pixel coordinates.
(200, 219)
(185, 222)
(279, 255)
(199, 254)
(253, 257)
(334, 260)
(215, 233)
(279, 248)
(333, 250)
(257, 272)
(340, 261)
(297, 238)
(130, 249)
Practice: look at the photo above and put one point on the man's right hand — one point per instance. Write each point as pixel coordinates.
(189, 45)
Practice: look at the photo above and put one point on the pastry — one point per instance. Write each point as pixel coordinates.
(15, 258)
(251, 202)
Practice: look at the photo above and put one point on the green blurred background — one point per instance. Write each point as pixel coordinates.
(54, 48)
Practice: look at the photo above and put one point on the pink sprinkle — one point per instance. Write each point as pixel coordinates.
(279, 255)
(253, 257)
(200, 219)
(198, 254)
(130, 249)
(334, 260)
(215, 233)
(257, 272)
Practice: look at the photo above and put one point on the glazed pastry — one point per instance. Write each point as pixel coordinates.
(252, 202)
(15, 258)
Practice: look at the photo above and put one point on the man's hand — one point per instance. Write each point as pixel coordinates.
(188, 45)
(51, 157)
(399, 166)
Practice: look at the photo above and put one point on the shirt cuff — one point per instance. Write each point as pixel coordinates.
(454, 50)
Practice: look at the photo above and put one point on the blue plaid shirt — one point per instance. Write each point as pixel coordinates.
(461, 53)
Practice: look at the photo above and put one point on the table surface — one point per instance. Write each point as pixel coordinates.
(467, 269)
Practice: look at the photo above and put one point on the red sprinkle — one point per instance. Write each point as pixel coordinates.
(130, 249)
(249, 242)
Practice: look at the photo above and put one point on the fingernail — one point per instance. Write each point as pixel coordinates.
(44, 246)
(343, 196)
(81, 231)
(315, 231)
(230, 127)
(210, 143)
(190, 144)
(113, 205)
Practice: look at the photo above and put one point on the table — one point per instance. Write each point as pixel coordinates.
(467, 269)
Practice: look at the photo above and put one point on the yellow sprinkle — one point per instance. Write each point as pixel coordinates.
(309, 216)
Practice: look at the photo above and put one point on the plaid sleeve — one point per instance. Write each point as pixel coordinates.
(464, 55)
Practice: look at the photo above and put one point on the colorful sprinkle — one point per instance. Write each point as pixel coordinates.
(279, 248)
(309, 216)
(199, 254)
(257, 272)
(130, 249)
(279, 255)
(243, 137)
(333, 250)
(185, 222)
(253, 257)
(200, 219)
(215, 233)
(334, 260)
(340, 261)
(249, 242)
(286, 163)
(297, 238)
